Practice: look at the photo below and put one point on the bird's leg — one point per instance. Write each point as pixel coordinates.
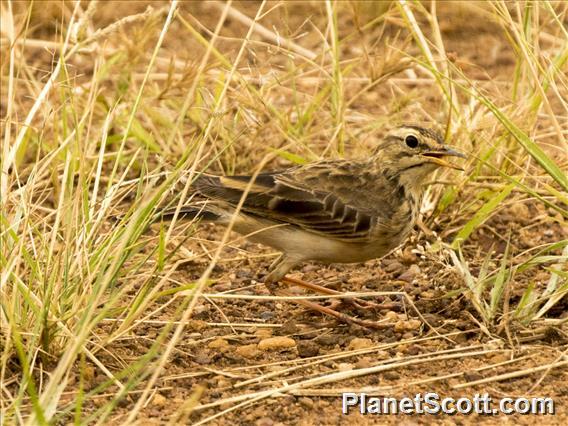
(340, 316)
(357, 302)
(279, 269)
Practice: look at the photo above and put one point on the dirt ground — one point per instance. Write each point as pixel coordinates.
(214, 356)
(433, 340)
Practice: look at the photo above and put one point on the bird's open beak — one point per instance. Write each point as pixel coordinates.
(437, 157)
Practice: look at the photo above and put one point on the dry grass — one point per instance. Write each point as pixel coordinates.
(114, 110)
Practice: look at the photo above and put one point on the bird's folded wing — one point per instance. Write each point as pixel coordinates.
(285, 198)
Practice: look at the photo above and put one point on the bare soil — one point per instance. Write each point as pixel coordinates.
(217, 354)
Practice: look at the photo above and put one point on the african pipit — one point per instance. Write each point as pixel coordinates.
(338, 211)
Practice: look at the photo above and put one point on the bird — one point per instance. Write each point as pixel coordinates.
(328, 211)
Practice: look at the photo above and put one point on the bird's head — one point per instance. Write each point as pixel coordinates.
(413, 152)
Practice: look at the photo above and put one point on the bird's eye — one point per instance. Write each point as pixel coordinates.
(411, 141)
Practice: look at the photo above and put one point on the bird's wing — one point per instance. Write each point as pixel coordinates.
(329, 199)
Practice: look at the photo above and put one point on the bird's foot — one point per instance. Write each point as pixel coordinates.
(275, 289)
(341, 316)
(354, 301)
(391, 306)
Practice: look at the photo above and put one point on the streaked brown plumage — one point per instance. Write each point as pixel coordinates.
(342, 211)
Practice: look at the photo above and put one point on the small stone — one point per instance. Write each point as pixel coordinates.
(196, 325)
(220, 344)
(364, 362)
(413, 350)
(410, 274)
(221, 382)
(202, 357)
(391, 316)
(221, 287)
(500, 357)
(328, 339)
(408, 335)
(345, 366)
(264, 421)
(289, 327)
(391, 375)
(413, 324)
(400, 326)
(307, 349)
(159, 400)
(267, 315)
(394, 267)
(306, 403)
(263, 333)
(276, 343)
(519, 210)
(310, 268)
(244, 274)
(408, 258)
(472, 376)
(248, 351)
(88, 373)
(360, 343)
(462, 325)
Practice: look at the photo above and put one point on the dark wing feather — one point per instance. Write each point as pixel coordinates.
(316, 198)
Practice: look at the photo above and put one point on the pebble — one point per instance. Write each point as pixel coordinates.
(472, 376)
(344, 366)
(462, 325)
(402, 326)
(159, 400)
(264, 421)
(414, 324)
(196, 325)
(413, 350)
(307, 349)
(394, 267)
(220, 344)
(328, 339)
(433, 320)
(310, 268)
(221, 287)
(520, 210)
(248, 351)
(202, 357)
(244, 274)
(263, 333)
(360, 343)
(306, 402)
(391, 315)
(276, 343)
(289, 327)
(410, 274)
(416, 292)
(408, 257)
(391, 375)
(267, 315)
(364, 362)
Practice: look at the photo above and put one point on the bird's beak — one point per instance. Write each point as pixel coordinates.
(437, 157)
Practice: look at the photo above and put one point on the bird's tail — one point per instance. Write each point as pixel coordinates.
(191, 213)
